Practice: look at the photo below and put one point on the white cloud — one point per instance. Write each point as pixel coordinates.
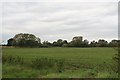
(53, 20)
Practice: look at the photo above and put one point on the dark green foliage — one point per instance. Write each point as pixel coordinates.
(55, 44)
(11, 42)
(93, 44)
(30, 40)
(27, 43)
(113, 43)
(60, 43)
(46, 44)
(102, 43)
(24, 40)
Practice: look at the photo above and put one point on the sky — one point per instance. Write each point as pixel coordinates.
(60, 20)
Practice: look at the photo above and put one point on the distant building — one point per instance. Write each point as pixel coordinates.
(77, 38)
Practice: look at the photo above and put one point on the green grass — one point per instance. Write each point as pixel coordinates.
(79, 62)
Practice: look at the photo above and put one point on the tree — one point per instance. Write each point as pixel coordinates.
(76, 41)
(113, 43)
(60, 42)
(77, 38)
(10, 42)
(26, 40)
(102, 43)
(55, 44)
(85, 43)
(25, 36)
(93, 44)
(64, 43)
(46, 44)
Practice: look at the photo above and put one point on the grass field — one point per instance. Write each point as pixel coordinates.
(58, 62)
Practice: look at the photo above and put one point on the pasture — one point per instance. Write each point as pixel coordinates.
(58, 62)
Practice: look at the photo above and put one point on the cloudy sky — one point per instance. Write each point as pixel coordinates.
(60, 20)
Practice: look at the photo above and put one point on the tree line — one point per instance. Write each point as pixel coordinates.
(30, 40)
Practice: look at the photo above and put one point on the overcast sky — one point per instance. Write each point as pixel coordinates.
(61, 20)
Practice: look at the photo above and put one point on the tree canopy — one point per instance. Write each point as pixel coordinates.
(24, 40)
(30, 40)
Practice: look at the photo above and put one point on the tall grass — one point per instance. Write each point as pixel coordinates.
(36, 63)
(46, 63)
(57, 65)
(12, 59)
(40, 63)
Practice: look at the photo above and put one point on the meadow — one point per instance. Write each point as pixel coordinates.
(59, 62)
